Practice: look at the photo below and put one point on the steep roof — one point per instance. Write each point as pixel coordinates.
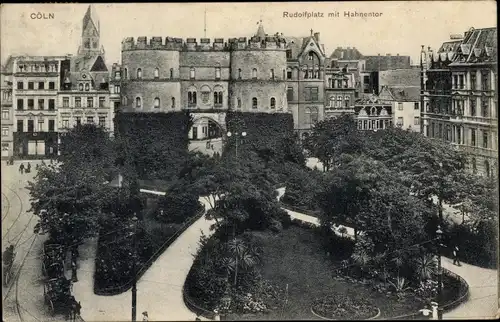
(91, 17)
(295, 44)
(99, 65)
(346, 54)
(260, 31)
(478, 46)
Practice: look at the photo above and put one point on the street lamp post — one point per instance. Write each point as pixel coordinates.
(439, 234)
(134, 276)
(237, 136)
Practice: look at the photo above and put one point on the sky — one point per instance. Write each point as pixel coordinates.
(402, 27)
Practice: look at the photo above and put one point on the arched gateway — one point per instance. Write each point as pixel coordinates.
(206, 135)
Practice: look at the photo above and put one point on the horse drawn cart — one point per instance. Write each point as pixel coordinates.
(57, 295)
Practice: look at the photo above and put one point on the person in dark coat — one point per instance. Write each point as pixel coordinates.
(28, 169)
(74, 277)
(456, 259)
(21, 168)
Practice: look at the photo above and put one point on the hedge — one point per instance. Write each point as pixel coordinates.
(155, 144)
(264, 131)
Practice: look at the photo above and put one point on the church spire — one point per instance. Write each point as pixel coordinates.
(90, 33)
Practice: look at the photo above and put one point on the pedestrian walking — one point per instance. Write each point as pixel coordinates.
(78, 308)
(217, 315)
(456, 260)
(74, 277)
(21, 168)
(145, 316)
(197, 317)
(28, 169)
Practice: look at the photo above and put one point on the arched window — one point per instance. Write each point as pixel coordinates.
(332, 101)
(192, 73)
(87, 87)
(125, 73)
(239, 103)
(124, 101)
(288, 73)
(310, 56)
(346, 100)
(254, 73)
(254, 102)
(139, 73)
(80, 87)
(307, 113)
(171, 73)
(173, 102)
(487, 168)
(138, 102)
(157, 102)
(273, 103)
(192, 97)
(271, 73)
(217, 73)
(218, 96)
(157, 73)
(239, 73)
(314, 115)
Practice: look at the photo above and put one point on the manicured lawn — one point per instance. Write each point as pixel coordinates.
(295, 257)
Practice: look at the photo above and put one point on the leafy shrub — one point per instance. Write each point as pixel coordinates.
(177, 206)
(477, 244)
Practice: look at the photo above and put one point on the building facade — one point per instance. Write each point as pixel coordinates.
(405, 103)
(461, 96)
(7, 110)
(373, 113)
(45, 95)
(36, 82)
(206, 78)
(305, 81)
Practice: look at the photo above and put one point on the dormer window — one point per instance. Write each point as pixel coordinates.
(80, 87)
(87, 87)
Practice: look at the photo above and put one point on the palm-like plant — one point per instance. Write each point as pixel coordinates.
(361, 258)
(240, 255)
(400, 285)
(425, 267)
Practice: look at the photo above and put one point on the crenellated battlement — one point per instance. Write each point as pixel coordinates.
(204, 44)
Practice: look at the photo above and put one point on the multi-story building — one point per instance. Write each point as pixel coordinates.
(7, 110)
(84, 96)
(460, 97)
(405, 103)
(340, 89)
(205, 78)
(305, 80)
(373, 113)
(36, 81)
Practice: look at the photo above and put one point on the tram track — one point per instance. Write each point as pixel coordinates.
(7, 200)
(17, 217)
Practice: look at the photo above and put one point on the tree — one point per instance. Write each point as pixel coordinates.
(241, 255)
(333, 137)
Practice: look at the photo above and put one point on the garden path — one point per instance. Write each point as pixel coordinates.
(159, 290)
(483, 301)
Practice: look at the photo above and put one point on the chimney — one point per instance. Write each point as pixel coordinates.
(387, 54)
(316, 36)
(397, 54)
